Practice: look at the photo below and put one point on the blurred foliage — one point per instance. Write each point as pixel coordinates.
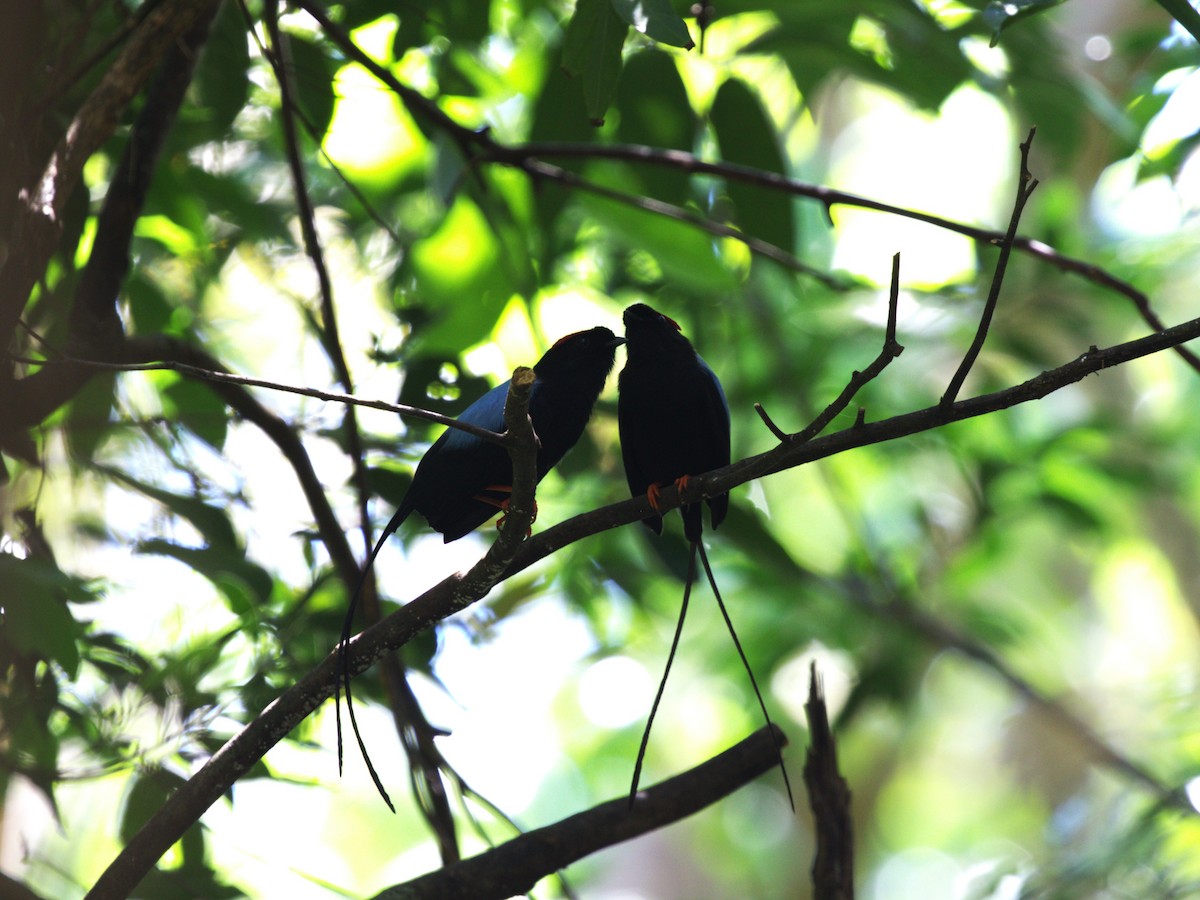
(163, 579)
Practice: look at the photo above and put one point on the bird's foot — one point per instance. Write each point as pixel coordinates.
(654, 492)
(503, 506)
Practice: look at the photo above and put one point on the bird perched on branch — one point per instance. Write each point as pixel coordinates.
(674, 423)
(463, 479)
(673, 416)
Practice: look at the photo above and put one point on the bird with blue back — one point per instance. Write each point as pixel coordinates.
(463, 479)
(674, 425)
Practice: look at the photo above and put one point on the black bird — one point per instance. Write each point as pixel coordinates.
(673, 416)
(674, 423)
(464, 480)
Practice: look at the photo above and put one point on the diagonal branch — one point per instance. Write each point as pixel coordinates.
(478, 146)
(516, 155)
(515, 867)
(890, 350)
(943, 635)
(508, 556)
(242, 751)
(1026, 184)
(140, 348)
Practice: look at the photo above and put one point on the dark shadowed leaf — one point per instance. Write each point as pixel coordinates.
(592, 53)
(656, 20)
(748, 137)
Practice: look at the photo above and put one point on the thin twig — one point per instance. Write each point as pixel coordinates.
(780, 434)
(516, 154)
(891, 349)
(763, 248)
(1026, 184)
(209, 374)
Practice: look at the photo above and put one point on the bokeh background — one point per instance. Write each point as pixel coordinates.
(1005, 611)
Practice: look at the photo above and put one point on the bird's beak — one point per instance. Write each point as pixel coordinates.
(616, 341)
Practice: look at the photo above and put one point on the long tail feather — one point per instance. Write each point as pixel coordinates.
(687, 593)
(745, 664)
(394, 523)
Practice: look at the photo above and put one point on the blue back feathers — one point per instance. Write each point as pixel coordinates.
(460, 467)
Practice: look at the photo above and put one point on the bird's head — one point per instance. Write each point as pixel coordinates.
(649, 332)
(584, 354)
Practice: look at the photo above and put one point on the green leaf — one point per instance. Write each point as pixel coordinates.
(558, 115)
(313, 72)
(656, 20)
(592, 52)
(211, 521)
(147, 792)
(688, 256)
(36, 619)
(198, 409)
(244, 585)
(999, 15)
(1185, 14)
(748, 137)
(221, 82)
(465, 278)
(655, 111)
(87, 421)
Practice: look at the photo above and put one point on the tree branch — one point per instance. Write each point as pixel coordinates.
(515, 867)
(42, 204)
(858, 380)
(459, 591)
(96, 330)
(479, 146)
(245, 748)
(515, 155)
(140, 348)
(942, 635)
(829, 797)
(1026, 184)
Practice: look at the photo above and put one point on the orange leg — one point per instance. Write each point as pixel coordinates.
(654, 492)
(492, 501)
(503, 504)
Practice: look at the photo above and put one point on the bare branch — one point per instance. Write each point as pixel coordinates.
(42, 204)
(1026, 184)
(95, 328)
(829, 797)
(943, 635)
(459, 591)
(140, 349)
(517, 154)
(763, 248)
(515, 867)
(891, 349)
